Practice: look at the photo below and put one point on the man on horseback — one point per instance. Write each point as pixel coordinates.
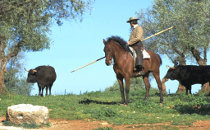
(135, 42)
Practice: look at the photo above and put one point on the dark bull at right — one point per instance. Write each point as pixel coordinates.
(188, 75)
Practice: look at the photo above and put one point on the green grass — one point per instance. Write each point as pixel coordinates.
(176, 109)
(29, 126)
(104, 128)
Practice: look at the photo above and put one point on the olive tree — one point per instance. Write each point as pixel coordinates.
(189, 40)
(24, 25)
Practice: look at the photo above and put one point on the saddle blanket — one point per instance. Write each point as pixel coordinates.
(144, 52)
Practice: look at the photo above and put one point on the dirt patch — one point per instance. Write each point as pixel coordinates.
(60, 124)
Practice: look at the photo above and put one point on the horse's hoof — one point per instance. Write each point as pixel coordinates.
(161, 104)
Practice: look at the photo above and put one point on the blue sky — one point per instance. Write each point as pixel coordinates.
(76, 43)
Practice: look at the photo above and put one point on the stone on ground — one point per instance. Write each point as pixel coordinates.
(28, 114)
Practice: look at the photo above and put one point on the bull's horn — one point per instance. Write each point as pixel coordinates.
(34, 71)
(26, 70)
(170, 67)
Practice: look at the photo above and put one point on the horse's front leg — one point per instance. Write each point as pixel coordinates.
(120, 81)
(127, 83)
(160, 87)
(147, 86)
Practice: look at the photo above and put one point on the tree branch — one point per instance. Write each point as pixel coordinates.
(197, 56)
(205, 54)
(195, 53)
(180, 58)
(15, 51)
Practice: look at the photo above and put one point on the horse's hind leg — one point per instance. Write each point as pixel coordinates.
(157, 78)
(127, 89)
(120, 81)
(147, 86)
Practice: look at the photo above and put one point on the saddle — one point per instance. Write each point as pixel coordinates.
(134, 55)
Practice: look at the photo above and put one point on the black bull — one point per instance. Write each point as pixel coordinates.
(44, 76)
(188, 75)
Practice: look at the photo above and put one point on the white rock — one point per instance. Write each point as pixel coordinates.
(9, 128)
(27, 113)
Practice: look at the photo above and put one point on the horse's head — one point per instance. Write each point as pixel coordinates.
(108, 53)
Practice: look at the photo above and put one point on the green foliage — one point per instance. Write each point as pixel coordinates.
(13, 79)
(24, 25)
(193, 104)
(28, 21)
(176, 110)
(191, 24)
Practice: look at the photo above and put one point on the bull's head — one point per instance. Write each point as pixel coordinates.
(171, 74)
(31, 76)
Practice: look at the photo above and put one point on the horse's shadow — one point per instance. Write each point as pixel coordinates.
(88, 101)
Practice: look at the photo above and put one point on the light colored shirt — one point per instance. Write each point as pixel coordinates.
(136, 35)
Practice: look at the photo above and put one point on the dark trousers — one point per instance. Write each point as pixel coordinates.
(139, 59)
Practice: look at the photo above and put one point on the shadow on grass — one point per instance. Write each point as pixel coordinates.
(88, 101)
(188, 109)
(25, 125)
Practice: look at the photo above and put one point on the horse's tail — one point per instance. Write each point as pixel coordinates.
(160, 59)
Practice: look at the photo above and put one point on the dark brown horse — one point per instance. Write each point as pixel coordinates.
(116, 49)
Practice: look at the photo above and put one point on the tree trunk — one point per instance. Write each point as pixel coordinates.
(3, 89)
(3, 64)
(205, 88)
(164, 88)
(4, 60)
(181, 89)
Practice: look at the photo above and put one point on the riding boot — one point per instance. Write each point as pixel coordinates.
(139, 63)
(139, 59)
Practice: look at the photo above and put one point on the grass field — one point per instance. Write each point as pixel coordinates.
(177, 109)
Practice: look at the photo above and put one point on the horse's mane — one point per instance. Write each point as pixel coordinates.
(119, 40)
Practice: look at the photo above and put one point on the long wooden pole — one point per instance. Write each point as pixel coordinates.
(158, 33)
(104, 56)
(88, 64)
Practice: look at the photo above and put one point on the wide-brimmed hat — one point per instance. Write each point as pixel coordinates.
(132, 19)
